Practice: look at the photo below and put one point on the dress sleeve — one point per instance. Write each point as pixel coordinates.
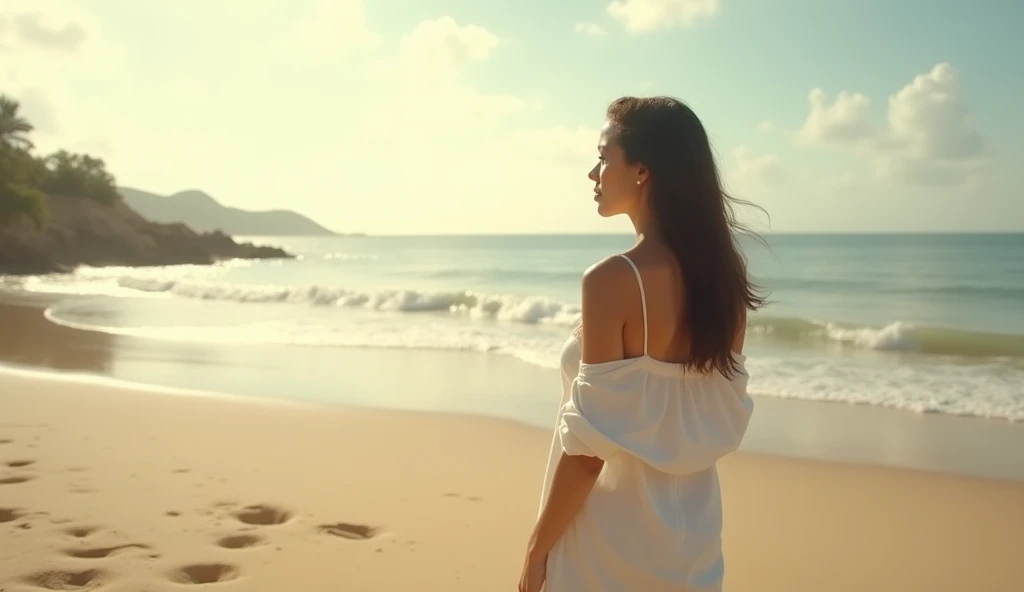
(676, 424)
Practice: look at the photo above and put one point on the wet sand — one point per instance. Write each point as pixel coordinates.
(492, 385)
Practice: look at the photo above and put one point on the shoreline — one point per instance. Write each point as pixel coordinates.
(45, 376)
(131, 489)
(481, 385)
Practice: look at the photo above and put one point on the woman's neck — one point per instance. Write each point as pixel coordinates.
(645, 226)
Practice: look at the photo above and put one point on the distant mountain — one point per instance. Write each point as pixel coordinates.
(83, 231)
(202, 213)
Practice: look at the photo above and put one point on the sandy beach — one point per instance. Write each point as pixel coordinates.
(119, 489)
(109, 485)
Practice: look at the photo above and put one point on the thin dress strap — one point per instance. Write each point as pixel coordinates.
(643, 296)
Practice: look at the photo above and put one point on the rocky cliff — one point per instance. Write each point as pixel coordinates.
(86, 232)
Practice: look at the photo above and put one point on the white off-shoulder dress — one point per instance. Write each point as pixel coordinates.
(653, 520)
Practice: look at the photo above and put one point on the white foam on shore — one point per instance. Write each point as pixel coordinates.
(990, 388)
(894, 336)
(179, 282)
(196, 284)
(897, 365)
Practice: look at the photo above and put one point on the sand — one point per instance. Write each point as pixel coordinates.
(120, 489)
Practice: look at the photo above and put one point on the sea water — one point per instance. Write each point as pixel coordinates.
(918, 322)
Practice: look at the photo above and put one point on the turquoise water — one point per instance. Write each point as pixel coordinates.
(919, 322)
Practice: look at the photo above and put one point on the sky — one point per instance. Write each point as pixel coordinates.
(478, 117)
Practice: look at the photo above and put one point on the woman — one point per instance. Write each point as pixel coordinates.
(653, 382)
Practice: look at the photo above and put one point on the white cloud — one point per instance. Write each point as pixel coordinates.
(50, 40)
(932, 133)
(36, 29)
(844, 121)
(930, 137)
(590, 29)
(428, 90)
(766, 127)
(930, 117)
(766, 168)
(441, 47)
(430, 102)
(647, 15)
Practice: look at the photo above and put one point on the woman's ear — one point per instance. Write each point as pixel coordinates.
(642, 174)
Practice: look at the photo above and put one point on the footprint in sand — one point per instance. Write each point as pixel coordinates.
(239, 541)
(15, 480)
(102, 552)
(65, 580)
(6, 441)
(359, 532)
(471, 498)
(205, 573)
(10, 514)
(17, 464)
(262, 515)
(80, 532)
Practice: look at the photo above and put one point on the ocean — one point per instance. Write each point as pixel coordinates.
(927, 323)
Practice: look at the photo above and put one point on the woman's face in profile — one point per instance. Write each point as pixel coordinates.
(617, 183)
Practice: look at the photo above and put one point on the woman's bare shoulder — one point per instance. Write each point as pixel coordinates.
(603, 314)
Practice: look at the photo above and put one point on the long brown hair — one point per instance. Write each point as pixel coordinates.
(696, 219)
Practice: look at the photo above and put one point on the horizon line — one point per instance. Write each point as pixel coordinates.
(360, 234)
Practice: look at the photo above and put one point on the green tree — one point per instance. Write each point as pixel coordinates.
(25, 180)
(21, 175)
(80, 175)
(19, 166)
(14, 128)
